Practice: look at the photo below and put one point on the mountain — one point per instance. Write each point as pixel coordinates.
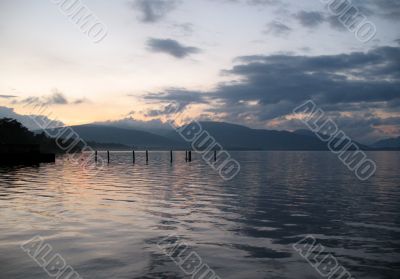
(309, 133)
(128, 137)
(107, 146)
(304, 132)
(232, 136)
(392, 143)
(152, 126)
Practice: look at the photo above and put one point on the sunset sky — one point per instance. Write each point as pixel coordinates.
(243, 61)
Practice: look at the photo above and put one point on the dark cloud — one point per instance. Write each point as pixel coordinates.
(360, 10)
(57, 98)
(176, 100)
(154, 10)
(167, 110)
(397, 41)
(367, 127)
(388, 9)
(335, 23)
(171, 47)
(271, 86)
(310, 19)
(277, 28)
(355, 77)
(184, 97)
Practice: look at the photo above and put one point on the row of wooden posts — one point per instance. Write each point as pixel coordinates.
(188, 156)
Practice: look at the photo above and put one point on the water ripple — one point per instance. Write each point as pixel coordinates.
(106, 224)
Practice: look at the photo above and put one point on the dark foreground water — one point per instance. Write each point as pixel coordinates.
(107, 224)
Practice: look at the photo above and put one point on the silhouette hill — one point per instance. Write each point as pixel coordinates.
(13, 132)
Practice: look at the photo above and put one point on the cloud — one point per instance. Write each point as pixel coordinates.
(7, 96)
(175, 100)
(29, 121)
(171, 47)
(80, 101)
(184, 29)
(184, 97)
(154, 10)
(364, 127)
(254, 2)
(335, 23)
(132, 123)
(264, 2)
(271, 86)
(277, 28)
(56, 98)
(387, 9)
(355, 77)
(310, 19)
(169, 109)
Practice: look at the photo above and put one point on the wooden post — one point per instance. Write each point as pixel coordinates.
(147, 156)
(215, 155)
(171, 156)
(108, 156)
(95, 156)
(190, 155)
(133, 156)
(186, 155)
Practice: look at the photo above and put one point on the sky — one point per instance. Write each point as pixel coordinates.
(249, 62)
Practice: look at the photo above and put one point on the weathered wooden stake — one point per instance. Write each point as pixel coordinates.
(186, 155)
(108, 156)
(171, 156)
(190, 155)
(133, 156)
(95, 156)
(147, 156)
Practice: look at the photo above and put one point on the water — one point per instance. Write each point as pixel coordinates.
(107, 224)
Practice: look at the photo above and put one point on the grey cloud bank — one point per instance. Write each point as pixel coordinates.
(171, 47)
(153, 10)
(353, 88)
(310, 19)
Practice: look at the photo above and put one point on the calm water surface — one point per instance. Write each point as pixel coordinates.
(107, 224)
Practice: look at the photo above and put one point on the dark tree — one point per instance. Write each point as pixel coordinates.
(13, 132)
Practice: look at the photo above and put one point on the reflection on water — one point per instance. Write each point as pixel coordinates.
(107, 224)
